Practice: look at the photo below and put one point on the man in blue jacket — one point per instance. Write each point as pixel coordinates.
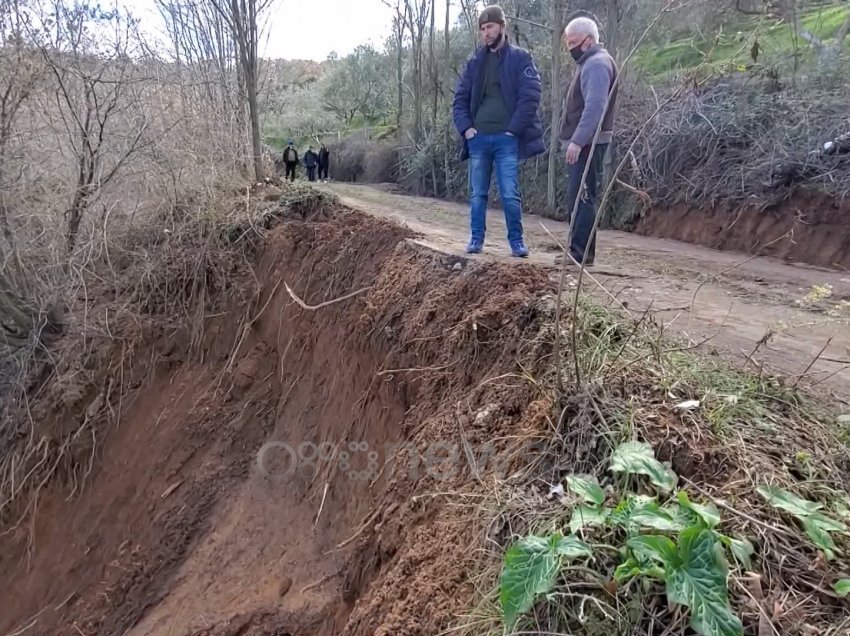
(496, 110)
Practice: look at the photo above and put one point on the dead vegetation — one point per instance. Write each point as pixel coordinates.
(156, 287)
(742, 136)
(725, 434)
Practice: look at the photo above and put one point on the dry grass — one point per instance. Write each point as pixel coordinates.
(748, 431)
(162, 282)
(741, 136)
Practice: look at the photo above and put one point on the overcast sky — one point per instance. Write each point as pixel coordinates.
(310, 29)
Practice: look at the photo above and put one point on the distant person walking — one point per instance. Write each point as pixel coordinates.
(290, 160)
(590, 98)
(324, 162)
(311, 162)
(496, 110)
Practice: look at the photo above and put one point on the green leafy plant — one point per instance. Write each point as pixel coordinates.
(742, 550)
(816, 524)
(586, 488)
(842, 587)
(673, 540)
(531, 566)
(637, 458)
(694, 572)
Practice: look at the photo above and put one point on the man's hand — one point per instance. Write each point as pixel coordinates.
(573, 152)
(470, 133)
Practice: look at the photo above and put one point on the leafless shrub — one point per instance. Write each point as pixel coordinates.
(357, 159)
(112, 159)
(742, 136)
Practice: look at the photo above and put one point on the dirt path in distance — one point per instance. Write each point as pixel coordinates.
(738, 298)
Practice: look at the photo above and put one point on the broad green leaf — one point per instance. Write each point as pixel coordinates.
(789, 502)
(627, 570)
(570, 547)
(820, 536)
(708, 513)
(651, 515)
(586, 487)
(654, 547)
(587, 516)
(698, 580)
(637, 458)
(621, 515)
(841, 510)
(842, 587)
(632, 568)
(827, 523)
(743, 551)
(529, 570)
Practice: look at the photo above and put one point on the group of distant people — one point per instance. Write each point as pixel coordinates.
(314, 162)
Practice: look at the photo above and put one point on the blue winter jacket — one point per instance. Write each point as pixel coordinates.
(521, 90)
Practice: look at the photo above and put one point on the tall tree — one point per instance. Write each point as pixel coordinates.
(19, 73)
(243, 16)
(358, 84)
(94, 78)
(556, 19)
(399, 28)
(417, 12)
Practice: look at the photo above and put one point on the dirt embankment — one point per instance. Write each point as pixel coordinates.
(169, 524)
(806, 228)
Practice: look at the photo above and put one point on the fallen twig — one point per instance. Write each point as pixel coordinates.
(811, 364)
(327, 303)
(415, 370)
(321, 505)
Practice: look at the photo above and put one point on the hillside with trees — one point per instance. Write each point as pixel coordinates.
(237, 405)
(746, 95)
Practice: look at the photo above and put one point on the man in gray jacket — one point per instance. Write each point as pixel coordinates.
(590, 98)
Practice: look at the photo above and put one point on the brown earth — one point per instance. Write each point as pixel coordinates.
(186, 515)
(180, 528)
(809, 227)
(728, 301)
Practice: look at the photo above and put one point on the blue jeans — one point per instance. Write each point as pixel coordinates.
(583, 240)
(485, 151)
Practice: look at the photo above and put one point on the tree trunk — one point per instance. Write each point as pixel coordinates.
(256, 142)
(617, 15)
(75, 215)
(435, 75)
(417, 89)
(447, 167)
(5, 225)
(556, 19)
(842, 34)
(244, 16)
(400, 72)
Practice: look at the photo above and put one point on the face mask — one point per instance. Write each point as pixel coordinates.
(576, 51)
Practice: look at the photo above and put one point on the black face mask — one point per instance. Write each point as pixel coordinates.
(576, 51)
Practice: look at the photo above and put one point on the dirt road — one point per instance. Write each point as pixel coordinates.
(700, 293)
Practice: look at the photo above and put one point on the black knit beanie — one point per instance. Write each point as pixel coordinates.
(493, 13)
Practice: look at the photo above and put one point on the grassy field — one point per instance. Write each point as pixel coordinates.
(777, 41)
